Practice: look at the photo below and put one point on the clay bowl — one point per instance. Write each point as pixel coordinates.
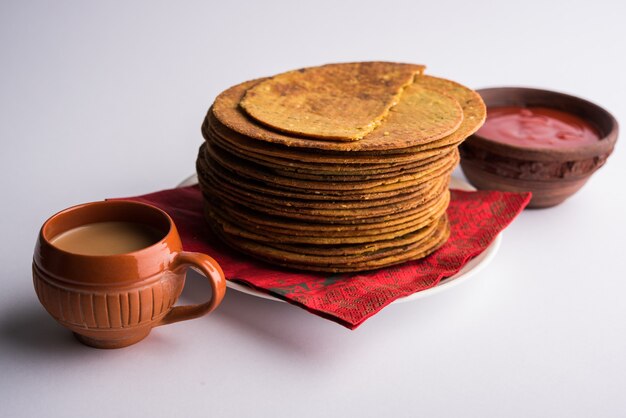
(552, 175)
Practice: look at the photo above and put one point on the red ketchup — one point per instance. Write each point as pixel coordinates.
(537, 127)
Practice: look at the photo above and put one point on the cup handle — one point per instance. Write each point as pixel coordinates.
(213, 272)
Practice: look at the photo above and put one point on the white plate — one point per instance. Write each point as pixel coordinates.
(469, 269)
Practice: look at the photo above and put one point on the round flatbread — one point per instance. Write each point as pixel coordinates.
(259, 173)
(341, 102)
(296, 156)
(215, 213)
(305, 262)
(316, 170)
(422, 116)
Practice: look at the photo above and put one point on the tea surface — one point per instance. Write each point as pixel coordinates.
(107, 238)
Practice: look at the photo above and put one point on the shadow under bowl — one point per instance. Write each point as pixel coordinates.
(551, 174)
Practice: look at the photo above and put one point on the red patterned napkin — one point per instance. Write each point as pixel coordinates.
(476, 218)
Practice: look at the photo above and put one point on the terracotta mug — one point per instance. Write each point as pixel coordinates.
(112, 301)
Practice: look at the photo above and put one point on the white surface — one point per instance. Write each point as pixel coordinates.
(469, 270)
(103, 99)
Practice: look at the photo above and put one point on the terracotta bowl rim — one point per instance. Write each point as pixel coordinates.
(604, 145)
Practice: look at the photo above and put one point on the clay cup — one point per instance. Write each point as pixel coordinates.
(112, 301)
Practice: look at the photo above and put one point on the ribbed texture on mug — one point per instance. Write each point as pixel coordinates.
(106, 310)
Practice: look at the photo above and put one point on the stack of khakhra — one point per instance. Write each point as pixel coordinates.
(338, 168)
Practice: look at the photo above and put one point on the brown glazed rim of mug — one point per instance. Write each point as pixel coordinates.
(601, 119)
(105, 211)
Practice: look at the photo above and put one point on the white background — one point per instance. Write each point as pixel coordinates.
(105, 99)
